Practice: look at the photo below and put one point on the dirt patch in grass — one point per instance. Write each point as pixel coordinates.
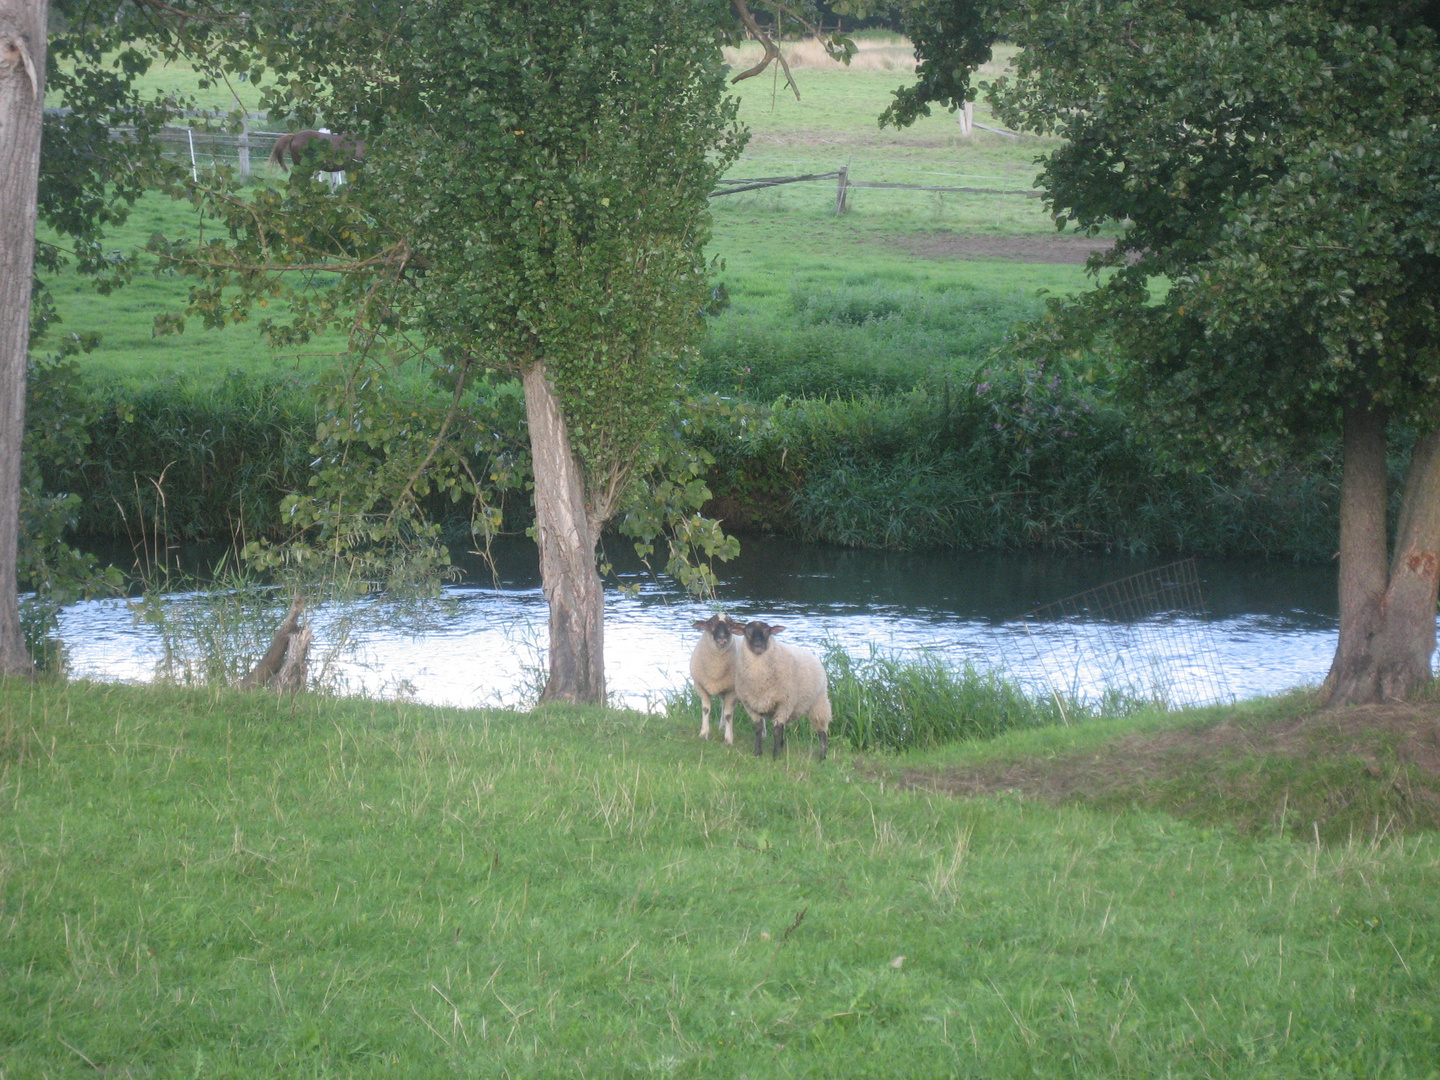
(1339, 772)
(1058, 248)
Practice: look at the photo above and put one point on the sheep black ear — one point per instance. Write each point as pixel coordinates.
(776, 629)
(699, 625)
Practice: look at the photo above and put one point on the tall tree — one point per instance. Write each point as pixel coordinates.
(533, 201)
(1274, 167)
(67, 171)
(22, 81)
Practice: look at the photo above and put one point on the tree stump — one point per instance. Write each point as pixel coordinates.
(286, 662)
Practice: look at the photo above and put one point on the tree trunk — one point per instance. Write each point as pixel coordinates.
(22, 79)
(1387, 617)
(567, 539)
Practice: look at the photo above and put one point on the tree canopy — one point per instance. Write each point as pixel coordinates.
(87, 57)
(1272, 169)
(532, 202)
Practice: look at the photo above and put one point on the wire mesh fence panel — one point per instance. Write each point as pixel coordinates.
(207, 147)
(1145, 636)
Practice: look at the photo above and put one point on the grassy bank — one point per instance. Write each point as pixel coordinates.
(982, 460)
(230, 886)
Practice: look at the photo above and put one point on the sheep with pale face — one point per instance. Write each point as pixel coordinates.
(712, 667)
(779, 682)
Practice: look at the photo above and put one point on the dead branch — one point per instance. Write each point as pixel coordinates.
(772, 51)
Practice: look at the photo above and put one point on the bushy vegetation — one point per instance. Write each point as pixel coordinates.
(178, 458)
(1012, 456)
(1005, 456)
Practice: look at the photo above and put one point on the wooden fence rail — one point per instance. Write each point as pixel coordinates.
(207, 141)
(844, 183)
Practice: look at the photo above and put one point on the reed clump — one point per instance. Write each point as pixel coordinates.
(909, 701)
(888, 701)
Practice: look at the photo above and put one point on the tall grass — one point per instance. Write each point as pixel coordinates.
(886, 701)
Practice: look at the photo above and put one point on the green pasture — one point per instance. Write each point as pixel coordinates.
(208, 884)
(772, 244)
(125, 318)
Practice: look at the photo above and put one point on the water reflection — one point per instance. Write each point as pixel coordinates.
(1272, 624)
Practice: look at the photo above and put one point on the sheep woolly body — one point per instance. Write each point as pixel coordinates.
(780, 682)
(712, 667)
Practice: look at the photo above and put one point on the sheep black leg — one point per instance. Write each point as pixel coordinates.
(824, 743)
(759, 736)
(779, 742)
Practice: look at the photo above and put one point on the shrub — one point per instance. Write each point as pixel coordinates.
(1017, 457)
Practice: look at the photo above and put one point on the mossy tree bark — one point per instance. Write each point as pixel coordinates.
(567, 538)
(22, 79)
(1387, 613)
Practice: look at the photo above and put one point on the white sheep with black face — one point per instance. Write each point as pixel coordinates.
(712, 667)
(779, 682)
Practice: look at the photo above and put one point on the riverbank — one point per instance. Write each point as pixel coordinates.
(249, 886)
(1002, 458)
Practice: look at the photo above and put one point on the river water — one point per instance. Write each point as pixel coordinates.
(1267, 626)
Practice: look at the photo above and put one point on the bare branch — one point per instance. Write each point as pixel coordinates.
(772, 51)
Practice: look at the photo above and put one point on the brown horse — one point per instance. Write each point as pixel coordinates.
(340, 151)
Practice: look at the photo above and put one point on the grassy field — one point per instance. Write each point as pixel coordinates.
(209, 884)
(779, 247)
(125, 319)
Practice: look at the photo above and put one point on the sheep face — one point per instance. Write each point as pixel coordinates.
(718, 627)
(757, 636)
(712, 669)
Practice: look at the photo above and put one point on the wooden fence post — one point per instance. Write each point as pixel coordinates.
(966, 117)
(840, 190)
(244, 152)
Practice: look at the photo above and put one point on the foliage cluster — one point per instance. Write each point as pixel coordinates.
(1018, 455)
(1276, 166)
(245, 887)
